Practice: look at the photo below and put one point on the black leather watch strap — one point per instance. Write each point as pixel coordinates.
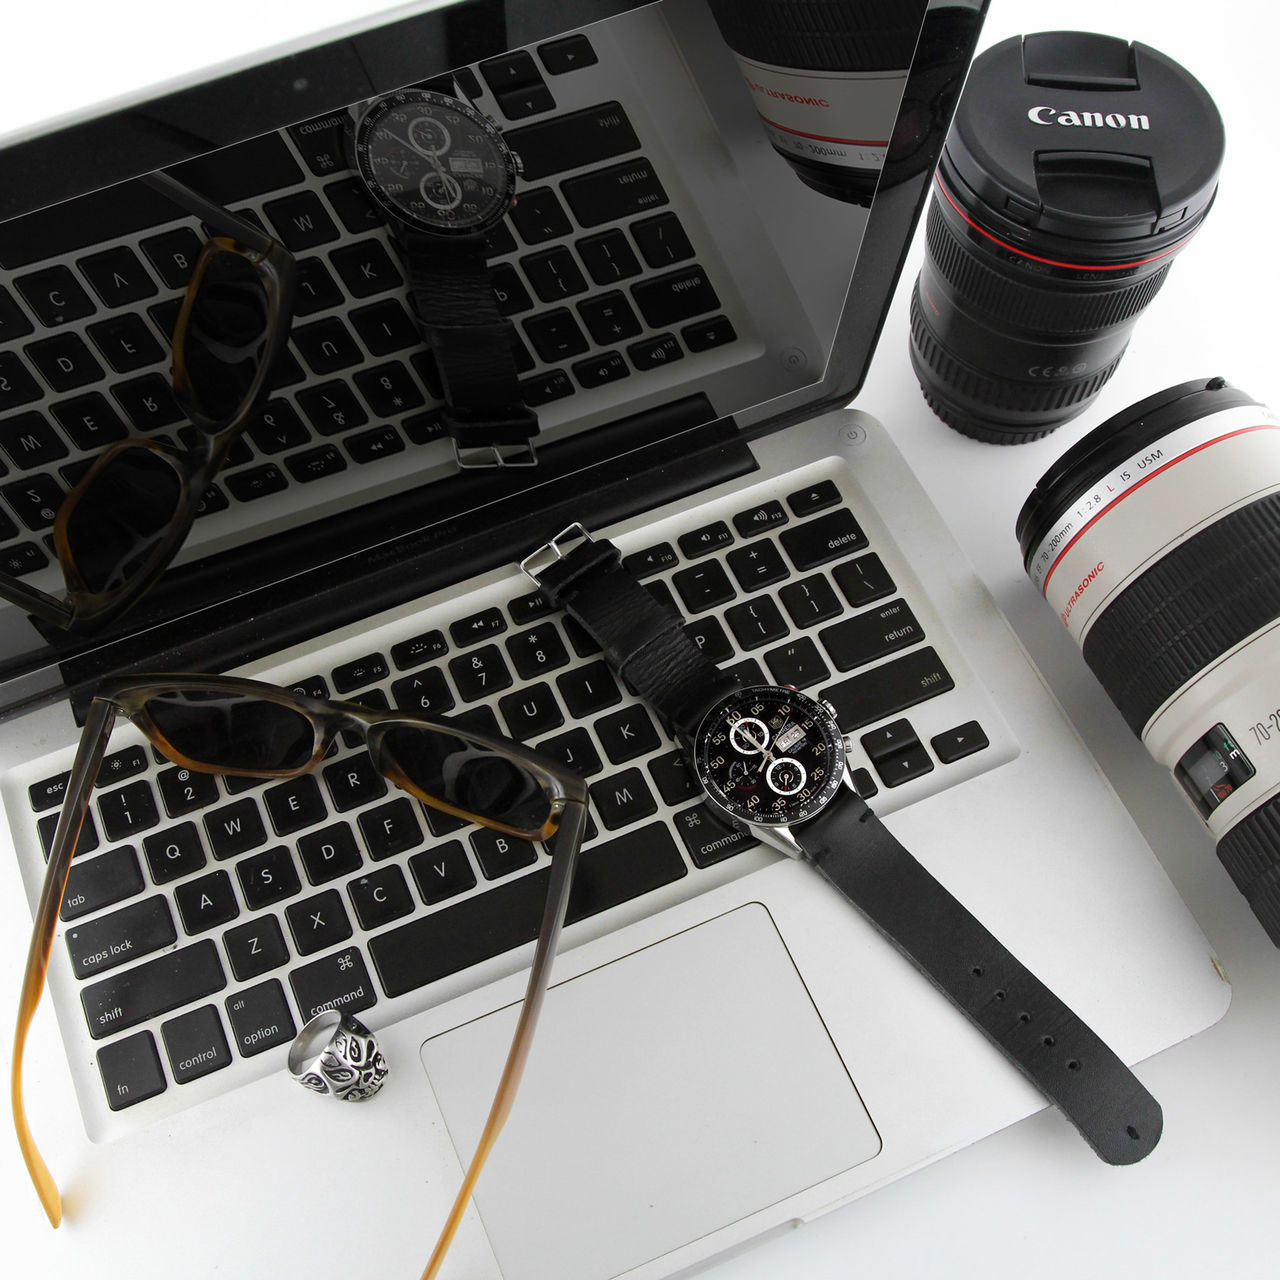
(472, 340)
(1053, 1047)
(643, 641)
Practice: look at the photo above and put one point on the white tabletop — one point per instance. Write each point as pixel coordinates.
(1031, 1201)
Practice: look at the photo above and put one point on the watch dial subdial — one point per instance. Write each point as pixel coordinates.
(430, 135)
(786, 776)
(441, 191)
(749, 735)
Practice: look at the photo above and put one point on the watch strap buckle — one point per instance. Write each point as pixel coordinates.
(478, 456)
(538, 562)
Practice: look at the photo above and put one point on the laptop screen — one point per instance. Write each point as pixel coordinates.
(711, 209)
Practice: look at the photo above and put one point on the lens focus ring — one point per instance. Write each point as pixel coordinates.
(1249, 853)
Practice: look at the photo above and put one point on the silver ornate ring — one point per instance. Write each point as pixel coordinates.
(337, 1054)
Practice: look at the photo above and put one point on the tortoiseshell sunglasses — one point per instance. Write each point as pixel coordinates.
(125, 520)
(217, 724)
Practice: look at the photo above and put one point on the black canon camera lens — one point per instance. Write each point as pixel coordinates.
(1076, 168)
(1156, 539)
(827, 78)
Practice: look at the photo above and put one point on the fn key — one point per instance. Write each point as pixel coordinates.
(131, 1070)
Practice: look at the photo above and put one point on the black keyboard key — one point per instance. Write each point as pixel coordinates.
(315, 289)
(870, 635)
(588, 689)
(148, 402)
(89, 420)
(173, 254)
(87, 842)
(609, 195)
(555, 335)
(662, 240)
(35, 500)
(125, 342)
(701, 542)
(889, 688)
(49, 793)
(797, 663)
(424, 692)
(567, 54)
(64, 362)
(704, 335)
(509, 290)
(183, 790)
(756, 622)
(380, 897)
(748, 672)
(863, 783)
(120, 937)
(332, 407)
(353, 782)
(500, 855)
(360, 671)
(654, 353)
(609, 318)
(255, 947)
(479, 672)
(486, 925)
(131, 1071)
(864, 580)
(442, 872)
(256, 482)
(206, 902)
(819, 541)
(127, 810)
(674, 297)
(260, 1018)
(674, 778)
(339, 981)
(571, 140)
(703, 586)
(758, 565)
(622, 798)
(554, 274)
(318, 922)
(366, 268)
(707, 633)
(537, 651)
(386, 327)
(627, 734)
(294, 804)
(531, 711)
(539, 216)
(811, 600)
(14, 323)
(268, 877)
(100, 882)
(659, 590)
(546, 387)
(156, 986)
(600, 370)
(301, 221)
(608, 257)
(21, 557)
(479, 626)
(327, 345)
(759, 519)
(118, 765)
(440, 823)
(574, 749)
(708, 838)
(174, 853)
(389, 390)
(651, 560)
(17, 386)
(55, 295)
(391, 828)
(195, 1044)
(510, 71)
(315, 464)
(963, 740)
(235, 828)
(322, 142)
(421, 649)
(29, 441)
(817, 497)
(329, 853)
(889, 739)
(350, 201)
(903, 767)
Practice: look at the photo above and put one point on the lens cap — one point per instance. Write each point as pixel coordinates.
(1085, 140)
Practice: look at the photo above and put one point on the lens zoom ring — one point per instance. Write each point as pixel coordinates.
(1250, 851)
(821, 34)
(1018, 302)
(998, 393)
(1187, 610)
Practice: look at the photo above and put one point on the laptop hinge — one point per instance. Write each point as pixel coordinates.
(295, 586)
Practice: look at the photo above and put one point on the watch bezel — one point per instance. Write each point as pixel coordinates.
(369, 121)
(820, 714)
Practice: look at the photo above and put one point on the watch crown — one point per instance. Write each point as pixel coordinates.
(831, 711)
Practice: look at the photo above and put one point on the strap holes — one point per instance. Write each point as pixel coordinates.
(1024, 1017)
(1073, 1065)
(1133, 1133)
(977, 971)
(999, 995)
(1048, 1042)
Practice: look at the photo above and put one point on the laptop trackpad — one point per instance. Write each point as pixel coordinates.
(669, 1093)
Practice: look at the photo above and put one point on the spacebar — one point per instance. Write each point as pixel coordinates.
(507, 916)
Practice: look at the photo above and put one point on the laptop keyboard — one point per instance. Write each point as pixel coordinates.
(594, 265)
(208, 917)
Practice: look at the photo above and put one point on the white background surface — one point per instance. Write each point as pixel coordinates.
(1031, 1201)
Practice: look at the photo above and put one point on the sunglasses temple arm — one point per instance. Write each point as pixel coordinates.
(219, 220)
(563, 864)
(93, 742)
(46, 607)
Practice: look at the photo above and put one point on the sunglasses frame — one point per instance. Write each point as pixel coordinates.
(127, 695)
(83, 609)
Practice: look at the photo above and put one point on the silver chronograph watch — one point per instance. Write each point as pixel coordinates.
(442, 175)
(772, 761)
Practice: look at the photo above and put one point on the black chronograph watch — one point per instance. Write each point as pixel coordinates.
(443, 176)
(772, 761)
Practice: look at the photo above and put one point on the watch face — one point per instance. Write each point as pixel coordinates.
(435, 162)
(770, 755)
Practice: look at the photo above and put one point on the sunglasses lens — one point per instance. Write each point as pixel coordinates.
(226, 331)
(466, 777)
(233, 731)
(121, 515)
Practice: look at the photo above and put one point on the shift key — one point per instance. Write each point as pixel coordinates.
(155, 987)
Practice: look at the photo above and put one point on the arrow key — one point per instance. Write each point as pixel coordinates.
(959, 742)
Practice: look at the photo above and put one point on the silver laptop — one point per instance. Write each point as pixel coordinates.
(728, 1047)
